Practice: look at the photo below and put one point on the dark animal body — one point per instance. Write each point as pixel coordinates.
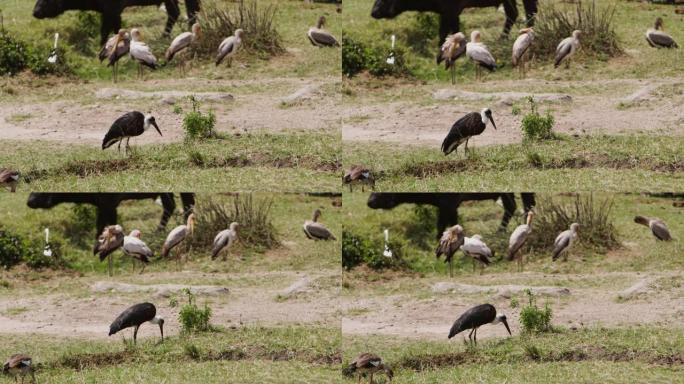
(476, 317)
(448, 204)
(135, 316)
(111, 11)
(107, 204)
(450, 10)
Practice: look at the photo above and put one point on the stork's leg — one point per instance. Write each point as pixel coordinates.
(143, 268)
(33, 377)
(473, 260)
(475, 336)
(128, 145)
(135, 334)
(451, 268)
(119, 147)
(466, 146)
(470, 335)
(371, 378)
(110, 264)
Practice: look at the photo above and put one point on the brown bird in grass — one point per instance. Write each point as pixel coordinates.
(657, 226)
(451, 241)
(369, 364)
(358, 174)
(454, 47)
(9, 179)
(19, 365)
(111, 239)
(315, 230)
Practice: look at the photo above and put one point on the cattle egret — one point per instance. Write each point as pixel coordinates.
(47, 249)
(387, 252)
(52, 59)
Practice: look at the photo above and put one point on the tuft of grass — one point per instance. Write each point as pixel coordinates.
(257, 21)
(597, 24)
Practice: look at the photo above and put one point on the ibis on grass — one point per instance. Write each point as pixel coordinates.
(110, 240)
(477, 250)
(181, 45)
(657, 38)
(479, 54)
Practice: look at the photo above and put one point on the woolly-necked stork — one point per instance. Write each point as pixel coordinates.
(229, 47)
(657, 38)
(521, 47)
(480, 55)
(476, 317)
(450, 243)
(315, 230)
(134, 247)
(358, 174)
(114, 49)
(564, 242)
(567, 48)
(454, 47)
(183, 42)
(477, 250)
(19, 365)
(53, 57)
(141, 53)
(369, 364)
(320, 37)
(9, 179)
(129, 125)
(518, 239)
(657, 226)
(111, 239)
(224, 240)
(136, 316)
(176, 236)
(464, 128)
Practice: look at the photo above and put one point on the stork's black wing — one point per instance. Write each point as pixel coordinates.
(659, 39)
(474, 317)
(463, 128)
(123, 126)
(133, 316)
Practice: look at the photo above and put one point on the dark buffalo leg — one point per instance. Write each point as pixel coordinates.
(447, 24)
(192, 7)
(169, 207)
(173, 13)
(106, 215)
(508, 200)
(511, 9)
(528, 201)
(530, 11)
(188, 200)
(111, 22)
(447, 216)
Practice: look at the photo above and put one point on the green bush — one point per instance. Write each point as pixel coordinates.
(357, 250)
(536, 126)
(39, 65)
(534, 319)
(13, 54)
(198, 125)
(358, 57)
(12, 249)
(193, 318)
(83, 33)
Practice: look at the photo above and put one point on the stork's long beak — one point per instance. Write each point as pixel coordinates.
(492, 119)
(505, 323)
(157, 128)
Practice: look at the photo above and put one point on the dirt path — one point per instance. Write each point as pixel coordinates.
(651, 302)
(295, 299)
(303, 105)
(623, 107)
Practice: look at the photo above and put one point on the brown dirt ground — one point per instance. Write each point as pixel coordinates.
(643, 109)
(431, 317)
(88, 315)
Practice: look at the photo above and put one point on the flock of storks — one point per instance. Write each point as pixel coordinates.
(113, 238)
(453, 239)
(456, 45)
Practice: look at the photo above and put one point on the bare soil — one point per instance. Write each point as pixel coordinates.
(88, 313)
(407, 315)
(623, 106)
(301, 104)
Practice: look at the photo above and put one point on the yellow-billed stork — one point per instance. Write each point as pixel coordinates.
(518, 239)
(224, 240)
(567, 48)
(229, 47)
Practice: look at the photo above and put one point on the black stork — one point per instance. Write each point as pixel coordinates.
(129, 125)
(466, 127)
(19, 365)
(368, 363)
(658, 227)
(134, 317)
(476, 317)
